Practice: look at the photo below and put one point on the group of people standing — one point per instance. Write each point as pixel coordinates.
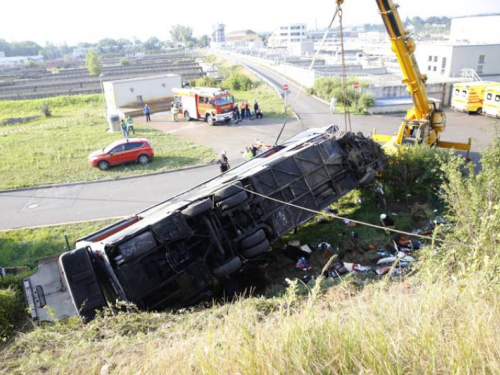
(243, 111)
(127, 126)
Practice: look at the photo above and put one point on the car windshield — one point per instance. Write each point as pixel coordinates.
(223, 100)
(107, 149)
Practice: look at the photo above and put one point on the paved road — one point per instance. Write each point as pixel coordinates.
(314, 113)
(82, 202)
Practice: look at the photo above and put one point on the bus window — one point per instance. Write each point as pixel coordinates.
(464, 93)
(457, 92)
(497, 98)
(489, 96)
(200, 100)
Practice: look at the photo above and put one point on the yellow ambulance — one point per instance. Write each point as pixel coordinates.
(468, 96)
(491, 105)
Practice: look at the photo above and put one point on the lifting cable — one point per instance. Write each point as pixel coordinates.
(351, 220)
(347, 115)
(310, 67)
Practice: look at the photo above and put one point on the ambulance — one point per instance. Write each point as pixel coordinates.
(468, 96)
(491, 106)
(212, 105)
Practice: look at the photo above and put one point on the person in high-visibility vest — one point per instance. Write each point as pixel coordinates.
(175, 112)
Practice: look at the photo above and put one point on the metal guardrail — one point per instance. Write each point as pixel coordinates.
(265, 80)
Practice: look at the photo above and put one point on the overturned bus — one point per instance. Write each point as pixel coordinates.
(174, 253)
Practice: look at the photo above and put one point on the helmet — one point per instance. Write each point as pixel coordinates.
(383, 216)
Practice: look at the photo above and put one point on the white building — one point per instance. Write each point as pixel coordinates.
(2, 54)
(219, 37)
(373, 37)
(475, 30)
(19, 60)
(136, 92)
(284, 35)
(449, 60)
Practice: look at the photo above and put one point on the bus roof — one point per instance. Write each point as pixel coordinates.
(466, 85)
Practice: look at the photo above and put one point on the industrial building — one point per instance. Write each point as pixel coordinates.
(448, 60)
(284, 35)
(128, 96)
(475, 30)
(244, 39)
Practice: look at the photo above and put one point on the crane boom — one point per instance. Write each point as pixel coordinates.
(425, 121)
(404, 48)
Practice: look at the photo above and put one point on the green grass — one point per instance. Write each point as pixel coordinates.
(57, 151)
(60, 105)
(24, 246)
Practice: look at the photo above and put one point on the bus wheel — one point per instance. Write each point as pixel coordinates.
(479, 111)
(186, 116)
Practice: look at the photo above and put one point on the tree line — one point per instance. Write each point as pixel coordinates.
(178, 34)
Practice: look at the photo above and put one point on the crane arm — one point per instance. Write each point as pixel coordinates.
(404, 48)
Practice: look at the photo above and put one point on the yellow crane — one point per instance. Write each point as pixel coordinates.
(425, 121)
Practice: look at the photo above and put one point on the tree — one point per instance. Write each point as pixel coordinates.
(93, 63)
(181, 34)
(204, 41)
(152, 43)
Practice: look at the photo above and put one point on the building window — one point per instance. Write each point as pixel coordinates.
(430, 58)
(429, 68)
(480, 69)
(435, 59)
(435, 68)
(443, 65)
(481, 59)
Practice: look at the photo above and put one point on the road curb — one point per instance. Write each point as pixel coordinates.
(106, 180)
(64, 224)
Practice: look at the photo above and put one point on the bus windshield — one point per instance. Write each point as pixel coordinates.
(223, 100)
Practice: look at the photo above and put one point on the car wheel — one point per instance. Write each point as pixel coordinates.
(103, 165)
(227, 268)
(236, 199)
(197, 208)
(258, 249)
(143, 159)
(228, 191)
(227, 120)
(186, 116)
(253, 239)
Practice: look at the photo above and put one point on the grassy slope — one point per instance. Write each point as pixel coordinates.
(407, 327)
(22, 247)
(57, 151)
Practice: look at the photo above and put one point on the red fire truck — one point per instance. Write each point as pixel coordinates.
(212, 105)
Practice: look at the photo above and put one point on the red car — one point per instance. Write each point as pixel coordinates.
(123, 151)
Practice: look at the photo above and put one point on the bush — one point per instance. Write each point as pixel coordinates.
(328, 88)
(366, 101)
(206, 82)
(11, 311)
(124, 62)
(416, 171)
(45, 109)
(238, 82)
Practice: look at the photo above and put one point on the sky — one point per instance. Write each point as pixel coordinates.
(60, 21)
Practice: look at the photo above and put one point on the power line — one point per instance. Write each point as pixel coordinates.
(354, 221)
